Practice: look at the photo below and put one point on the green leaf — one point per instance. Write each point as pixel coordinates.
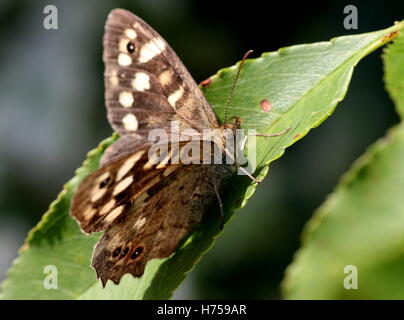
(394, 71)
(361, 223)
(303, 84)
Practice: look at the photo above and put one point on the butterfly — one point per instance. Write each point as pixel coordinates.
(145, 208)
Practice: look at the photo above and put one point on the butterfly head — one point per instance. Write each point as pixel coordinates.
(233, 124)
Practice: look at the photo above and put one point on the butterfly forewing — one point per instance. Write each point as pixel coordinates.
(146, 85)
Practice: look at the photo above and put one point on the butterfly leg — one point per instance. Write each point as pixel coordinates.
(271, 135)
(220, 206)
(241, 168)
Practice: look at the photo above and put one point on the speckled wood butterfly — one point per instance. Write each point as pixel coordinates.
(145, 208)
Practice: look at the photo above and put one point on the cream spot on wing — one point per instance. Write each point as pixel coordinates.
(98, 192)
(130, 33)
(107, 207)
(137, 25)
(114, 214)
(121, 186)
(151, 49)
(124, 60)
(126, 99)
(141, 82)
(89, 213)
(128, 165)
(113, 78)
(102, 177)
(163, 163)
(130, 122)
(123, 45)
(139, 223)
(153, 158)
(174, 97)
(150, 163)
(165, 77)
(116, 240)
(170, 169)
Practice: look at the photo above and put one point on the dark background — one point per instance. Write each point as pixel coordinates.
(52, 112)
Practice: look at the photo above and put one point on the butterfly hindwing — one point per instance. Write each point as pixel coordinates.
(146, 84)
(156, 223)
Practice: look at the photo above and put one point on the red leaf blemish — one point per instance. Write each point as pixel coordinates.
(266, 105)
(390, 36)
(206, 83)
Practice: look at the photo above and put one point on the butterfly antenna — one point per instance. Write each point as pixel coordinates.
(240, 66)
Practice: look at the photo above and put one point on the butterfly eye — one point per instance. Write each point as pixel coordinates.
(104, 182)
(116, 252)
(131, 47)
(136, 253)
